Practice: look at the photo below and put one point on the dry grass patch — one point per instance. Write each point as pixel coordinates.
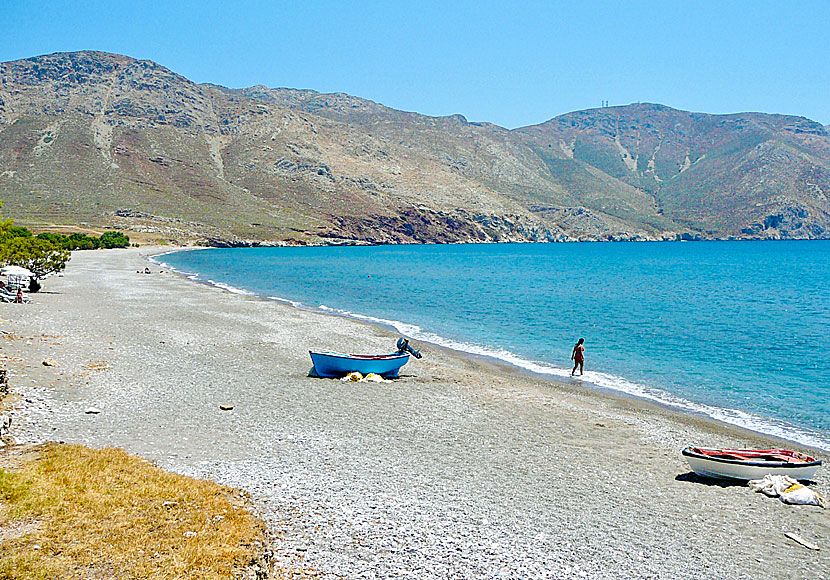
(67, 511)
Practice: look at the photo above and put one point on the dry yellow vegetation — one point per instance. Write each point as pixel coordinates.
(67, 511)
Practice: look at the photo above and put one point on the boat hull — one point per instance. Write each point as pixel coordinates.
(332, 364)
(747, 469)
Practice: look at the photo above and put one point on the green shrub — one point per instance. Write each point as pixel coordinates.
(114, 240)
(81, 242)
(18, 232)
(57, 239)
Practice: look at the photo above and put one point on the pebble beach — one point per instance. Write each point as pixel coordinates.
(463, 468)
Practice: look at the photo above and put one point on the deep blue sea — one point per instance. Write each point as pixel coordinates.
(739, 331)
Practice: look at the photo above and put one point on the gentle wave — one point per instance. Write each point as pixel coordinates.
(194, 276)
(161, 264)
(598, 379)
(230, 288)
(293, 303)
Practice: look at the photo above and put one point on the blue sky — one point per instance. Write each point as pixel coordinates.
(512, 64)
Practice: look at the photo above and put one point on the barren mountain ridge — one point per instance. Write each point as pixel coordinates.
(103, 140)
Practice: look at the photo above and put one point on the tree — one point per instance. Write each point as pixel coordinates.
(79, 241)
(57, 239)
(18, 232)
(39, 256)
(114, 240)
(5, 225)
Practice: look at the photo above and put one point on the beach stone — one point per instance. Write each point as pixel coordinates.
(226, 407)
(92, 410)
(5, 430)
(49, 363)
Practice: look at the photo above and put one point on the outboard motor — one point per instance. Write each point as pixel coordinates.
(403, 346)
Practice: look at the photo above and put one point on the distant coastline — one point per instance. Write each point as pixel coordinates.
(330, 243)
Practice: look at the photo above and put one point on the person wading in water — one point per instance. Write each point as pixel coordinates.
(578, 356)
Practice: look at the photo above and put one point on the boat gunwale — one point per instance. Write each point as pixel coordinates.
(689, 452)
(391, 356)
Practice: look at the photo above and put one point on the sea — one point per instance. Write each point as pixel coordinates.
(737, 331)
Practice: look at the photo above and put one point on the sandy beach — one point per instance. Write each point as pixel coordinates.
(463, 468)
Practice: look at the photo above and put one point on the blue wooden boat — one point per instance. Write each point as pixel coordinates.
(335, 364)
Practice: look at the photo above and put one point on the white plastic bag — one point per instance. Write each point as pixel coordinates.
(772, 485)
(800, 495)
(787, 489)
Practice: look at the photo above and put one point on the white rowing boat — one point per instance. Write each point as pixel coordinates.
(747, 464)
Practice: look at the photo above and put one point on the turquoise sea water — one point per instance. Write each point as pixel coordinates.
(734, 330)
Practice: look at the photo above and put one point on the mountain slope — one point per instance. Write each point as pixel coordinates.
(749, 173)
(106, 140)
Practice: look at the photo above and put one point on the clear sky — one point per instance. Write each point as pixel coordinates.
(510, 63)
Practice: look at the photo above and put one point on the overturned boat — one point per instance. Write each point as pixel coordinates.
(747, 464)
(333, 364)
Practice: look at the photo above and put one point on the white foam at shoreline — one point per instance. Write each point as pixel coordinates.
(293, 303)
(197, 278)
(230, 288)
(606, 381)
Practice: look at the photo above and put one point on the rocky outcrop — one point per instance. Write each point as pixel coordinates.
(423, 225)
(792, 221)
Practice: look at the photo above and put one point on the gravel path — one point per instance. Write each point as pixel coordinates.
(461, 469)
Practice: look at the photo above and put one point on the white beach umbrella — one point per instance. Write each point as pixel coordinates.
(16, 271)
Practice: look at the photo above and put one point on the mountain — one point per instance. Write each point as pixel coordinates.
(744, 174)
(102, 140)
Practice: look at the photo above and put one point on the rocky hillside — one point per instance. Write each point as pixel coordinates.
(747, 174)
(105, 140)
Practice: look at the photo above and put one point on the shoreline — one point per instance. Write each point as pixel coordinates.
(283, 244)
(767, 428)
(463, 467)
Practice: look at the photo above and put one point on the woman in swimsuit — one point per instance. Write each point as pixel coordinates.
(578, 356)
